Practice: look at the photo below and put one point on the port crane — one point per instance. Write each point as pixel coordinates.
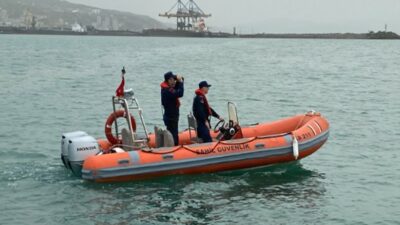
(188, 16)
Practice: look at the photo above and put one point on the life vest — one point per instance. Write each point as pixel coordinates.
(201, 94)
(164, 85)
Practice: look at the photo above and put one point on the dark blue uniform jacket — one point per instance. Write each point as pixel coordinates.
(170, 100)
(200, 110)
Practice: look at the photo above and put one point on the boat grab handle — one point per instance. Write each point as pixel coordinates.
(295, 146)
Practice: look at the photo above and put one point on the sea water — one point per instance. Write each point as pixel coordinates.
(55, 84)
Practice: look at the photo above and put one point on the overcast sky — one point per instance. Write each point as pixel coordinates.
(276, 16)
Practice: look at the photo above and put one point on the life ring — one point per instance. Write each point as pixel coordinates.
(108, 127)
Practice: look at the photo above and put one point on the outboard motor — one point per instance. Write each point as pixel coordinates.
(79, 149)
(64, 145)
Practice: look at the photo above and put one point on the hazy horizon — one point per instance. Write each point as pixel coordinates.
(272, 16)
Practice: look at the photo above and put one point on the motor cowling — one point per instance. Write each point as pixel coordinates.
(66, 137)
(79, 149)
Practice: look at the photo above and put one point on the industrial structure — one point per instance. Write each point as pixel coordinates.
(189, 16)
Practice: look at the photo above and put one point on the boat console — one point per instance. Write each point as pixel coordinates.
(231, 129)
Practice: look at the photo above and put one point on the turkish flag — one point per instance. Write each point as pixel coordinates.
(120, 90)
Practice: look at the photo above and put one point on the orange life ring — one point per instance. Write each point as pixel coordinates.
(108, 127)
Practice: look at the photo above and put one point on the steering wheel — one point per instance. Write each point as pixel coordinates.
(217, 126)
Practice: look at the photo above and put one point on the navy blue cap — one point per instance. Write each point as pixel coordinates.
(169, 75)
(204, 84)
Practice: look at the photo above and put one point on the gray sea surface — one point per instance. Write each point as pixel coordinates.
(55, 84)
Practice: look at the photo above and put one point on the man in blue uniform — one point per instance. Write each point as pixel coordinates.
(171, 90)
(203, 112)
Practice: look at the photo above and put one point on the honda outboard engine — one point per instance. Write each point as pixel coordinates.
(64, 145)
(79, 149)
(75, 148)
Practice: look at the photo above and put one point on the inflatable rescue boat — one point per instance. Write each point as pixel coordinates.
(125, 155)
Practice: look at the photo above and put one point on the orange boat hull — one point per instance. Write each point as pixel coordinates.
(264, 144)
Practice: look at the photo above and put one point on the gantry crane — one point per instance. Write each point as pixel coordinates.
(188, 16)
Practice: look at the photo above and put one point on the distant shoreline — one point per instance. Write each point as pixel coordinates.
(363, 36)
(381, 35)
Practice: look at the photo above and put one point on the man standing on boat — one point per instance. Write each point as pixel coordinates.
(203, 112)
(171, 90)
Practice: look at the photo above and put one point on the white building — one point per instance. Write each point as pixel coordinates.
(3, 17)
(115, 24)
(77, 28)
(98, 22)
(107, 23)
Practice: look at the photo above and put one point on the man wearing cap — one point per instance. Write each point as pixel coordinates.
(202, 112)
(171, 90)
